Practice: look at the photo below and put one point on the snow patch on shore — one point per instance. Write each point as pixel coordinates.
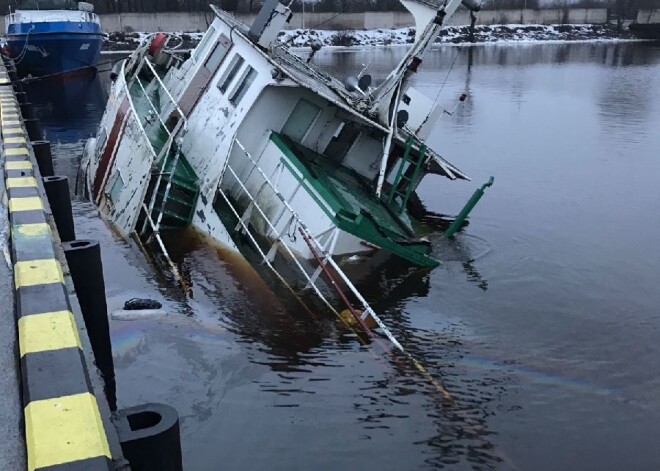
(401, 36)
(455, 34)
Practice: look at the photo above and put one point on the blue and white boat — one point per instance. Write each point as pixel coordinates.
(53, 36)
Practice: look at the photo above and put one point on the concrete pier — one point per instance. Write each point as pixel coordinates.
(60, 420)
(12, 444)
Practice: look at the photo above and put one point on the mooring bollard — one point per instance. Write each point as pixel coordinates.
(33, 127)
(84, 259)
(27, 110)
(59, 198)
(150, 437)
(44, 156)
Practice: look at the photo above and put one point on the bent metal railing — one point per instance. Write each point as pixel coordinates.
(322, 252)
(158, 156)
(162, 155)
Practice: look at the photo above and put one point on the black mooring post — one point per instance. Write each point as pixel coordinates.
(27, 110)
(84, 259)
(17, 86)
(150, 437)
(21, 97)
(44, 156)
(59, 198)
(13, 76)
(33, 127)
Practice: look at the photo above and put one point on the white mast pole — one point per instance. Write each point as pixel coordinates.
(397, 83)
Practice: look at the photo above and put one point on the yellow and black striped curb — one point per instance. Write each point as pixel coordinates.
(64, 430)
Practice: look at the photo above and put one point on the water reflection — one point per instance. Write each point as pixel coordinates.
(538, 300)
(253, 306)
(70, 98)
(69, 111)
(304, 353)
(625, 107)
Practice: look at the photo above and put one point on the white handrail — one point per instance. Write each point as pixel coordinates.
(168, 187)
(277, 234)
(265, 257)
(367, 308)
(153, 108)
(167, 147)
(173, 267)
(169, 95)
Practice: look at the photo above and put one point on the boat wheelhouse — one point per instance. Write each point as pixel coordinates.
(245, 139)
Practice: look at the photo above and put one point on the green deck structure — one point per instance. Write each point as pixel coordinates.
(355, 209)
(178, 208)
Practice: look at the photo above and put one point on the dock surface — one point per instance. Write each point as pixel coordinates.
(12, 443)
(53, 414)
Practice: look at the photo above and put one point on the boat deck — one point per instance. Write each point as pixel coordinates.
(356, 209)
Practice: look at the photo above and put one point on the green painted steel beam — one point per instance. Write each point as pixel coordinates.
(469, 206)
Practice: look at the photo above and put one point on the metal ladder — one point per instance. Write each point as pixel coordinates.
(403, 186)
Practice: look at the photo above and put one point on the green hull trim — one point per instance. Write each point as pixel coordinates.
(346, 198)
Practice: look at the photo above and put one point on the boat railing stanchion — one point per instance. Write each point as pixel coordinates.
(469, 206)
(312, 242)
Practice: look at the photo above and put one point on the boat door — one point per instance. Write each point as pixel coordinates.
(200, 81)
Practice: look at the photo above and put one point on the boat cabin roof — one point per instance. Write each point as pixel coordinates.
(330, 88)
(48, 5)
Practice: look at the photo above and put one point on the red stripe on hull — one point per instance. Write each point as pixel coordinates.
(110, 151)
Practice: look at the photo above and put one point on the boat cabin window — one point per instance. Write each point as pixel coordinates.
(116, 187)
(300, 120)
(243, 85)
(230, 73)
(219, 53)
(201, 47)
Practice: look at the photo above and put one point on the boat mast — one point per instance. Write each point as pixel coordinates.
(429, 20)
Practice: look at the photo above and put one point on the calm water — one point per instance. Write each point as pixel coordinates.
(543, 324)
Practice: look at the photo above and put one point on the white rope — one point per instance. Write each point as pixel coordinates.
(23, 53)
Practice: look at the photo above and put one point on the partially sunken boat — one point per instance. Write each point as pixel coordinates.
(245, 140)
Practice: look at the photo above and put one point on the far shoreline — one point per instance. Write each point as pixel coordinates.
(451, 36)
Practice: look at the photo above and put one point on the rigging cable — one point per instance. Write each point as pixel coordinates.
(97, 67)
(21, 55)
(437, 97)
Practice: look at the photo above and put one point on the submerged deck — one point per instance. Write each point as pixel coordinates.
(356, 209)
